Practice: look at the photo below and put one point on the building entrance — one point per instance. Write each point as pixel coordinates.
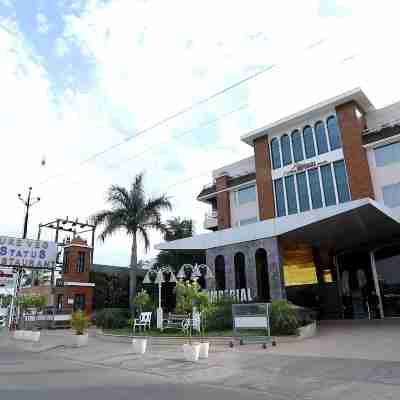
(357, 287)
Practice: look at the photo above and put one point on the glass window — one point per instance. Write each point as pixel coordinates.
(302, 190)
(275, 154)
(81, 262)
(297, 146)
(286, 152)
(308, 142)
(315, 188)
(291, 194)
(246, 195)
(247, 221)
(388, 154)
(333, 133)
(328, 185)
(66, 262)
(341, 181)
(391, 195)
(279, 197)
(320, 138)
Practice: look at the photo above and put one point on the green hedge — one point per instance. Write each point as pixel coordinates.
(112, 318)
(218, 316)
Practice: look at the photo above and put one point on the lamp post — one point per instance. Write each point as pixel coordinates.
(159, 280)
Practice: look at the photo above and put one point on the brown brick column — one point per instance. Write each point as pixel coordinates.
(264, 178)
(355, 155)
(223, 203)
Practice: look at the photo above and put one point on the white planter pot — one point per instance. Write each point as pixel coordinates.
(139, 346)
(204, 348)
(191, 352)
(34, 336)
(309, 330)
(81, 340)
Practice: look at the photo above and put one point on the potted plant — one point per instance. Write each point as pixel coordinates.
(203, 305)
(143, 303)
(186, 294)
(80, 323)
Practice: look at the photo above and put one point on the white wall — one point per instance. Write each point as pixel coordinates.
(242, 167)
(383, 176)
(243, 211)
(385, 115)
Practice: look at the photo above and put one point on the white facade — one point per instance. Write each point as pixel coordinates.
(246, 212)
(239, 168)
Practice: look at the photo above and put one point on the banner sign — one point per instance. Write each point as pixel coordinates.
(27, 253)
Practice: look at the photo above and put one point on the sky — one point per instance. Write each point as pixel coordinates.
(84, 81)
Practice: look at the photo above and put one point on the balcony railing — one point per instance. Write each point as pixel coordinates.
(210, 220)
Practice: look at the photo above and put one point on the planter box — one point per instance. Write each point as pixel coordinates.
(80, 340)
(204, 349)
(191, 352)
(308, 331)
(139, 346)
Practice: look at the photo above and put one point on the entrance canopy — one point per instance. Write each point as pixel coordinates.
(365, 227)
(357, 223)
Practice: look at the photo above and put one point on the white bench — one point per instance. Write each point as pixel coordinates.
(143, 321)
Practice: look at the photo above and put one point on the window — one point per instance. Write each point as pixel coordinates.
(220, 272)
(328, 185)
(279, 197)
(388, 154)
(286, 152)
(66, 262)
(81, 262)
(315, 189)
(79, 302)
(240, 271)
(275, 154)
(291, 194)
(341, 181)
(297, 146)
(302, 188)
(247, 221)
(308, 142)
(320, 138)
(391, 195)
(333, 133)
(245, 195)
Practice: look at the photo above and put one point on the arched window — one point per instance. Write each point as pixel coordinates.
(263, 292)
(297, 146)
(219, 272)
(240, 271)
(286, 152)
(275, 154)
(308, 142)
(333, 133)
(320, 138)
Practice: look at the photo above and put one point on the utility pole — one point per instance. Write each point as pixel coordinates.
(28, 203)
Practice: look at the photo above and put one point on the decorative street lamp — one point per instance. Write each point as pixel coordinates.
(158, 277)
(189, 271)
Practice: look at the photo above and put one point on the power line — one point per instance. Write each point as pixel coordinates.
(180, 135)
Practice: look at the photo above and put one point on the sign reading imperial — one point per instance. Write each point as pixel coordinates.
(27, 253)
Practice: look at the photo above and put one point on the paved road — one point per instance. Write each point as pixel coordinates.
(110, 371)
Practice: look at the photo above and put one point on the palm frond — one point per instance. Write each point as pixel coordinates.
(145, 236)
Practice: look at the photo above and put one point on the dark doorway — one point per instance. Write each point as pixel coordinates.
(263, 292)
(240, 271)
(220, 273)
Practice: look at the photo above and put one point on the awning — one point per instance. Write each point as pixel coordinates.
(342, 226)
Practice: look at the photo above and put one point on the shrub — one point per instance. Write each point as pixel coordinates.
(112, 318)
(218, 316)
(283, 318)
(143, 301)
(79, 322)
(188, 296)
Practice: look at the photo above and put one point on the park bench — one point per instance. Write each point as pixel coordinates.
(143, 321)
(177, 321)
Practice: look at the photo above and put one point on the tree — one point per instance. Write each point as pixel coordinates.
(132, 212)
(177, 228)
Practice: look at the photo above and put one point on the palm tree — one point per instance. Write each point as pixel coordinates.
(177, 228)
(134, 213)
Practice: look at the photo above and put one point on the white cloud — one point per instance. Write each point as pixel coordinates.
(42, 22)
(154, 58)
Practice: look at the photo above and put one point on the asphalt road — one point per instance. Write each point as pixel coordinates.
(309, 370)
(27, 376)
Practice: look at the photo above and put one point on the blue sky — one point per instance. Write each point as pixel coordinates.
(80, 76)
